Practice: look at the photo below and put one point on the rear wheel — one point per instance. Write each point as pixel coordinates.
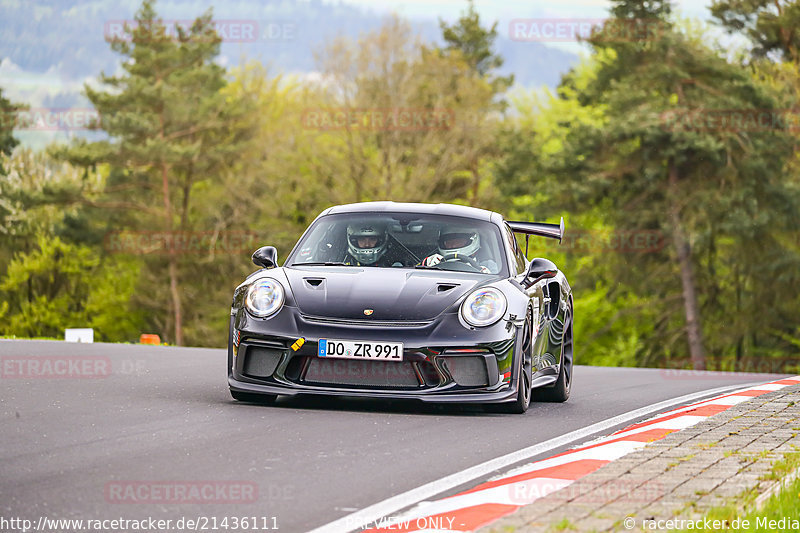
(523, 400)
(560, 391)
(252, 397)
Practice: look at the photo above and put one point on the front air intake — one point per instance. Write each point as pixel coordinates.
(261, 362)
(468, 370)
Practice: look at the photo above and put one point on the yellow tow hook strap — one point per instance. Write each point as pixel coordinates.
(298, 344)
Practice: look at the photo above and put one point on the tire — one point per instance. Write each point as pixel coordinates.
(524, 392)
(252, 397)
(559, 392)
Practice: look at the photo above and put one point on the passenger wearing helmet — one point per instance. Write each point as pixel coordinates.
(464, 242)
(366, 244)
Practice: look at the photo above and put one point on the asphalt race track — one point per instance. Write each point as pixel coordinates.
(163, 416)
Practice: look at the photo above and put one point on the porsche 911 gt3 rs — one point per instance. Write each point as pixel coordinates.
(436, 303)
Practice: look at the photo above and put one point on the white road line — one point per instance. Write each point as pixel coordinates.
(730, 400)
(770, 387)
(368, 516)
(603, 452)
(521, 493)
(676, 423)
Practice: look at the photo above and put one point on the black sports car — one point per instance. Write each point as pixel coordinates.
(391, 300)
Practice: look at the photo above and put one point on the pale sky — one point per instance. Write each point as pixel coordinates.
(504, 11)
(511, 9)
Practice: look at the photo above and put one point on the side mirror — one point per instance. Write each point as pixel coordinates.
(266, 257)
(538, 270)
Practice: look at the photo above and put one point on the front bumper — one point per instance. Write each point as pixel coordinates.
(443, 361)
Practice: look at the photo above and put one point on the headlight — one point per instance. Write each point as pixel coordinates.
(264, 297)
(484, 307)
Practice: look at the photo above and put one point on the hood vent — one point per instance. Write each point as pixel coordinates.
(314, 283)
(444, 287)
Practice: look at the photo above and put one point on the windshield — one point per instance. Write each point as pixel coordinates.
(402, 240)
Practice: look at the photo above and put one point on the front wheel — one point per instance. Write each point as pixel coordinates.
(560, 391)
(523, 399)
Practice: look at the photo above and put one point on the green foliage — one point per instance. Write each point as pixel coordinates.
(777, 514)
(641, 9)
(173, 134)
(194, 148)
(603, 150)
(386, 72)
(475, 43)
(7, 120)
(59, 285)
(668, 178)
(771, 26)
(612, 331)
(109, 304)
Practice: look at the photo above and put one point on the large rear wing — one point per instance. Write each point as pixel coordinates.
(541, 229)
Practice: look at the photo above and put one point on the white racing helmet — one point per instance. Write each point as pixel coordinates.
(366, 233)
(461, 240)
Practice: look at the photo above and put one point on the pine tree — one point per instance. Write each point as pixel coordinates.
(476, 45)
(171, 129)
(8, 112)
(473, 43)
(772, 26)
(660, 162)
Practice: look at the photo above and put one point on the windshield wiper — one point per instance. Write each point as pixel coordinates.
(429, 267)
(321, 263)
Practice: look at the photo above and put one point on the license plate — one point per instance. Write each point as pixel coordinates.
(339, 349)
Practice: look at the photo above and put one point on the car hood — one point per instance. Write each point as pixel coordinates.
(391, 294)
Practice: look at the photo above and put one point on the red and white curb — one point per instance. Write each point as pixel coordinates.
(521, 486)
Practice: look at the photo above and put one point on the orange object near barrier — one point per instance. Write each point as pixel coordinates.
(149, 338)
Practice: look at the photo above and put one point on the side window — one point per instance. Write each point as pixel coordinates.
(519, 258)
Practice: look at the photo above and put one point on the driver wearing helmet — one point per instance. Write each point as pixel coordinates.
(366, 245)
(457, 241)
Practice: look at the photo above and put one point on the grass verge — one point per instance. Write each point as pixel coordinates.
(780, 513)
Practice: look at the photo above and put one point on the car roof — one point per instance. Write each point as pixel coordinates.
(404, 207)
